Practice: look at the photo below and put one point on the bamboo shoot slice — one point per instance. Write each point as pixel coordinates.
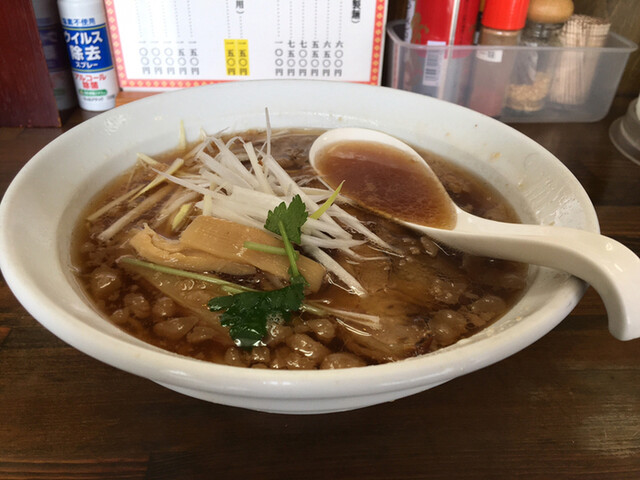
(157, 249)
(226, 239)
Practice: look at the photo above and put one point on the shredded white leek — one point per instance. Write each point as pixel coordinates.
(148, 160)
(134, 213)
(181, 216)
(257, 169)
(112, 204)
(237, 182)
(182, 137)
(177, 163)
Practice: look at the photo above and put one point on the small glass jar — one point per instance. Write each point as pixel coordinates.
(532, 74)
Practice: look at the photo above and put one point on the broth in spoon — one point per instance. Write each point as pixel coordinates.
(387, 181)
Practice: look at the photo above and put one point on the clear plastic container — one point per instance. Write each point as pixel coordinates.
(580, 87)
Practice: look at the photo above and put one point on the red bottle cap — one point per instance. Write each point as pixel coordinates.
(505, 14)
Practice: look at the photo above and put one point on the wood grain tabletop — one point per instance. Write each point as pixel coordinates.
(567, 407)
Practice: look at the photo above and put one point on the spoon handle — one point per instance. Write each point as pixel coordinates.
(612, 269)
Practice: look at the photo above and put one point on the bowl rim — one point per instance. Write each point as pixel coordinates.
(167, 368)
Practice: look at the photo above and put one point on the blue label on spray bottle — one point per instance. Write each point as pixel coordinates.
(88, 47)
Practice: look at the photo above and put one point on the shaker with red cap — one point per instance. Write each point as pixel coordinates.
(502, 24)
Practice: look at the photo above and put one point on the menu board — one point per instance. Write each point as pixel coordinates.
(165, 44)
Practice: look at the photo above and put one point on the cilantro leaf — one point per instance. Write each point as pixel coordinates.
(292, 218)
(246, 314)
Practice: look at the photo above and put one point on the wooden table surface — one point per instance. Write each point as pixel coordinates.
(566, 407)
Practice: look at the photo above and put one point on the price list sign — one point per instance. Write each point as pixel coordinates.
(165, 44)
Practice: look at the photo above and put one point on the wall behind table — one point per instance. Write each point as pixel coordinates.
(625, 20)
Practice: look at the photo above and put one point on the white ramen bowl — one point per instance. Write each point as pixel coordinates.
(44, 201)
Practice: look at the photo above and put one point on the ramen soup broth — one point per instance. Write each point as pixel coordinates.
(420, 296)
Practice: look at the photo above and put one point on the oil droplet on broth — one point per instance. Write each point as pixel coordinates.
(387, 181)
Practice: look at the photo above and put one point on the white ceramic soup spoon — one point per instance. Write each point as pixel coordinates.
(384, 174)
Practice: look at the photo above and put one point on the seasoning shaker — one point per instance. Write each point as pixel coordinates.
(441, 72)
(502, 23)
(533, 71)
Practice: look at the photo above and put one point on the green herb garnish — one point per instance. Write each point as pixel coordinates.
(247, 313)
(261, 247)
(288, 220)
(325, 206)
